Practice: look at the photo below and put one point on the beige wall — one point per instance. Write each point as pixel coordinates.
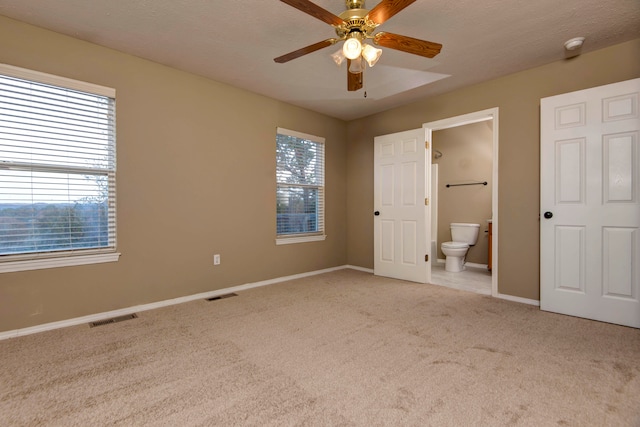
(182, 140)
(467, 156)
(195, 176)
(518, 98)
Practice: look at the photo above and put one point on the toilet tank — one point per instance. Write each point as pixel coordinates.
(464, 232)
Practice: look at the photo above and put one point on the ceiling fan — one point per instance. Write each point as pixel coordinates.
(354, 26)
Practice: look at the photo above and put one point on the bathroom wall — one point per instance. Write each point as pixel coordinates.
(467, 156)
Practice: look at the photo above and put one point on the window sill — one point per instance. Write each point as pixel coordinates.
(39, 264)
(300, 239)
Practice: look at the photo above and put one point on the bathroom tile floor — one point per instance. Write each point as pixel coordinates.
(472, 279)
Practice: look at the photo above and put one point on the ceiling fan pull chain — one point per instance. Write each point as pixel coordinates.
(364, 83)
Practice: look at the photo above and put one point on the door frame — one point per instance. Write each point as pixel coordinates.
(466, 119)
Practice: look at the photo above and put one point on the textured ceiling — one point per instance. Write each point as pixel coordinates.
(235, 41)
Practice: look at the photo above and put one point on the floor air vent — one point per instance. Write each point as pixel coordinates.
(222, 297)
(113, 320)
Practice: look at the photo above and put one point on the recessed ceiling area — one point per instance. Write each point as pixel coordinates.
(235, 42)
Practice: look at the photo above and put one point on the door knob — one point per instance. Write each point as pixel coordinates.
(376, 213)
(548, 214)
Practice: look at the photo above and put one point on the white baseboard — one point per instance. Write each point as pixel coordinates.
(355, 267)
(152, 306)
(519, 299)
(474, 265)
(466, 264)
(144, 307)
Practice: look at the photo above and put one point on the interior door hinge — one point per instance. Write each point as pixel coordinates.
(426, 258)
(426, 201)
(426, 145)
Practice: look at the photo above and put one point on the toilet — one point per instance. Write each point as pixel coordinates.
(463, 236)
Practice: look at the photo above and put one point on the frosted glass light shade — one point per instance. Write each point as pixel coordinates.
(356, 66)
(338, 57)
(352, 48)
(371, 54)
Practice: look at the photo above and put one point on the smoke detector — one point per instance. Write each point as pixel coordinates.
(574, 43)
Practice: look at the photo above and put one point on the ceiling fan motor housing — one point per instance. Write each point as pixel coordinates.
(355, 20)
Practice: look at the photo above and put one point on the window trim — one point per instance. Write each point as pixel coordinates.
(297, 238)
(40, 77)
(31, 261)
(60, 260)
(282, 239)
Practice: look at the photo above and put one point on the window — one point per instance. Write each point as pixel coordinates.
(300, 187)
(57, 171)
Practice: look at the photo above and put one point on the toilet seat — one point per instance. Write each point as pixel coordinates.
(455, 245)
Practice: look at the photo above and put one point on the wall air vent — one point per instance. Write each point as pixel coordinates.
(113, 320)
(222, 297)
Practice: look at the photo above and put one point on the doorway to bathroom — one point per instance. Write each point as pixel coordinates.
(464, 181)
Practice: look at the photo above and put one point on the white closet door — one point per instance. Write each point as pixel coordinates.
(590, 204)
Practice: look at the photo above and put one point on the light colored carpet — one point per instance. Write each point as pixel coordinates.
(343, 348)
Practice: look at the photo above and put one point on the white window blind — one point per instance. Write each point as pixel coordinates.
(57, 166)
(300, 185)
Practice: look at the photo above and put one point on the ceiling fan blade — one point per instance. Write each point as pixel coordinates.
(386, 9)
(307, 49)
(354, 81)
(316, 11)
(407, 44)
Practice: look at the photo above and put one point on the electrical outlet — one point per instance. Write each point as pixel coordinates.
(216, 259)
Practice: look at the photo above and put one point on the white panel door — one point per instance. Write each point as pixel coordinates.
(590, 204)
(400, 222)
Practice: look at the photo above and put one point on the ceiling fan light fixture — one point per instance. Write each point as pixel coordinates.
(371, 54)
(352, 47)
(353, 27)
